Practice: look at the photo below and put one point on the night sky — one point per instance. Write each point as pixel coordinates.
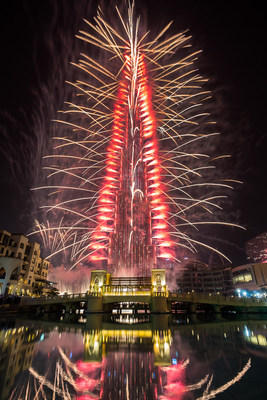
(37, 44)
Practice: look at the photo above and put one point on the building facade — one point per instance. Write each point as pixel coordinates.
(250, 276)
(102, 281)
(202, 278)
(22, 269)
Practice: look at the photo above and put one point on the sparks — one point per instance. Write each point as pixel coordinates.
(123, 190)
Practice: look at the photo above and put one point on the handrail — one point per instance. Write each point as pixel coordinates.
(172, 296)
(213, 298)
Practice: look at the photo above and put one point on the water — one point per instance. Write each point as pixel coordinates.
(167, 357)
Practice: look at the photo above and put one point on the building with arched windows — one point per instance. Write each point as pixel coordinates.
(22, 269)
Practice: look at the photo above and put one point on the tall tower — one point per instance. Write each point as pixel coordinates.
(132, 231)
(115, 198)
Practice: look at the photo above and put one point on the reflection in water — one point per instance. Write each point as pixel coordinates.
(41, 361)
(16, 353)
(129, 320)
(257, 338)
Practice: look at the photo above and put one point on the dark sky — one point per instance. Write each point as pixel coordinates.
(233, 38)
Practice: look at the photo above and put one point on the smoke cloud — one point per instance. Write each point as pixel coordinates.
(71, 281)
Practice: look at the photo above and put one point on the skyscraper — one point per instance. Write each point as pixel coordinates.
(129, 182)
(132, 232)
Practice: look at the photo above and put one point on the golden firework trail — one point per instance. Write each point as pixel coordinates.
(133, 145)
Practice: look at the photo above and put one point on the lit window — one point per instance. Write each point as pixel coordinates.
(245, 277)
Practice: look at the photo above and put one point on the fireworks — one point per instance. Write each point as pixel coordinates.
(125, 190)
(93, 380)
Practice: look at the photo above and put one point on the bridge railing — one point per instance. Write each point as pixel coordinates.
(128, 293)
(83, 296)
(173, 296)
(217, 299)
(56, 299)
(160, 294)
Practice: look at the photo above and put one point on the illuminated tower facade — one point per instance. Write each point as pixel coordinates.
(132, 231)
(117, 200)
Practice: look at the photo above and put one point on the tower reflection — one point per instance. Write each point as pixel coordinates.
(102, 360)
(129, 363)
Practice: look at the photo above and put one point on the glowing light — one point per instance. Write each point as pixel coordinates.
(86, 380)
(130, 154)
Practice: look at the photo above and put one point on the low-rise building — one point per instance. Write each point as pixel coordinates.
(202, 278)
(22, 269)
(250, 276)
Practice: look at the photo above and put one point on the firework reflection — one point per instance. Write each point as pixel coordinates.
(139, 363)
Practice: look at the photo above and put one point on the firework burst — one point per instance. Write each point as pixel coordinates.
(124, 187)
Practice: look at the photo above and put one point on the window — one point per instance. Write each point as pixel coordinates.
(21, 245)
(243, 277)
(5, 240)
(2, 273)
(15, 275)
(241, 272)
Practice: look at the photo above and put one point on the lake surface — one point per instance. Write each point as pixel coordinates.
(167, 357)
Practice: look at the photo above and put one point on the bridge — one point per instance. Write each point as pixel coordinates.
(131, 295)
(156, 302)
(217, 302)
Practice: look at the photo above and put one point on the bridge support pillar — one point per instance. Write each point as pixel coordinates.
(216, 308)
(193, 318)
(159, 304)
(68, 308)
(160, 322)
(94, 304)
(94, 322)
(192, 308)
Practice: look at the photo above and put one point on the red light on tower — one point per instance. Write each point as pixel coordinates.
(131, 201)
